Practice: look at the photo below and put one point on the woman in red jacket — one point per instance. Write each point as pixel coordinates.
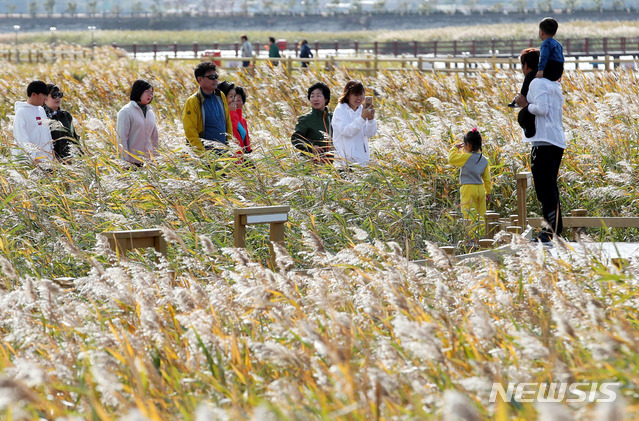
(239, 131)
(240, 128)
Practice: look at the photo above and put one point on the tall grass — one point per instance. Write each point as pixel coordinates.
(571, 29)
(210, 331)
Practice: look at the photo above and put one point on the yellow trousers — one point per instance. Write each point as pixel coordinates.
(473, 197)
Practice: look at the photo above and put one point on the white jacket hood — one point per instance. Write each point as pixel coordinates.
(22, 104)
(31, 132)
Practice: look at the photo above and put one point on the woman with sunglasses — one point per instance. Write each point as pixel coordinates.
(137, 130)
(65, 139)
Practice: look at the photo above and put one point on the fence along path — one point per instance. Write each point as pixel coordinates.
(373, 64)
(510, 47)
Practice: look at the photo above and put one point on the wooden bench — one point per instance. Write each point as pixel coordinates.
(276, 216)
(121, 241)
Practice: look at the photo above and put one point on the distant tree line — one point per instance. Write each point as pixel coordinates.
(218, 7)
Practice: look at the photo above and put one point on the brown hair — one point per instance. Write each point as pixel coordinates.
(352, 87)
(530, 56)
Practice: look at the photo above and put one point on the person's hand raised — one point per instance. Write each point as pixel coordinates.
(368, 113)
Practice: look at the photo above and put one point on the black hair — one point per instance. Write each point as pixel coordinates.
(352, 87)
(241, 92)
(271, 39)
(138, 88)
(51, 88)
(304, 42)
(203, 68)
(473, 138)
(225, 87)
(549, 26)
(244, 37)
(37, 87)
(326, 91)
(530, 56)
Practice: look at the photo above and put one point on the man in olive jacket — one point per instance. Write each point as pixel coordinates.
(206, 119)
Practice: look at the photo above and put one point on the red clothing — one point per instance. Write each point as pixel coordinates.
(237, 118)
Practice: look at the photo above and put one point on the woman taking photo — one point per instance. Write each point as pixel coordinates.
(65, 139)
(353, 124)
(136, 125)
(313, 130)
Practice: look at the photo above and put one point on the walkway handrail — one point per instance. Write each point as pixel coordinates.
(373, 64)
(500, 47)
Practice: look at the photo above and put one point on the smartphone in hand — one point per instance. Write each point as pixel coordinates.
(368, 101)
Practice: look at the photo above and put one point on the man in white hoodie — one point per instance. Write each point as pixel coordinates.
(30, 130)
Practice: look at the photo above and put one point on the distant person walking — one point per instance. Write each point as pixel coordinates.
(246, 50)
(31, 134)
(137, 130)
(273, 50)
(305, 52)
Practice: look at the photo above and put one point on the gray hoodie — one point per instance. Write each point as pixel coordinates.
(31, 132)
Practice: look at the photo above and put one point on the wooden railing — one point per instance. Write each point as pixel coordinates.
(373, 64)
(42, 56)
(578, 218)
(500, 47)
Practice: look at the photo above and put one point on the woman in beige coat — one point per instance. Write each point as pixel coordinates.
(137, 131)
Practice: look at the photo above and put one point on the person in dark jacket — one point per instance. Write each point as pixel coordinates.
(273, 50)
(313, 133)
(65, 139)
(305, 52)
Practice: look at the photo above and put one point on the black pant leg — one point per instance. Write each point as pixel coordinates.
(554, 70)
(545, 162)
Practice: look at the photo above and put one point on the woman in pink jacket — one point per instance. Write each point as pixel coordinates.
(137, 131)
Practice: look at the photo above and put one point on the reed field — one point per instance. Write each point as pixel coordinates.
(345, 326)
(569, 29)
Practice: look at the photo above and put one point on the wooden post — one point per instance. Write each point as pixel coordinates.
(514, 229)
(276, 216)
(522, 185)
(449, 250)
(577, 213)
(485, 243)
(239, 233)
(492, 224)
(121, 241)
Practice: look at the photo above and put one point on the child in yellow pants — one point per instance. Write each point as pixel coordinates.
(474, 176)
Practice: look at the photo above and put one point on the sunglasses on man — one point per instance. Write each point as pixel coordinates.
(57, 94)
(211, 77)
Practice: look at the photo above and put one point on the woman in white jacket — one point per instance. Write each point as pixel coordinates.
(352, 126)
(137, 131)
